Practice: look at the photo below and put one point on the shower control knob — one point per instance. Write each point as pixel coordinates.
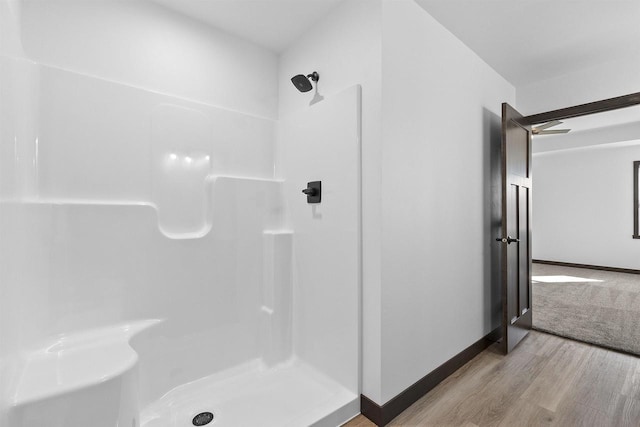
(313, 192)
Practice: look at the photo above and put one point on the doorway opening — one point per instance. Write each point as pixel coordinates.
(585, 271)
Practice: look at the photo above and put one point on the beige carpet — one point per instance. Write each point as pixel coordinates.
(603, 311)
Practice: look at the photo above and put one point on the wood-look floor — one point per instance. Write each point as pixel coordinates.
(545, 381)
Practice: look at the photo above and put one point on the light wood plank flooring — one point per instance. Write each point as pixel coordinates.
(545, 381)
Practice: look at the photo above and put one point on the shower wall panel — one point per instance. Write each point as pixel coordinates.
(84, 244)
(19, 79)
(105, 133)
(323, 143)
(10, 28)
(80, 266)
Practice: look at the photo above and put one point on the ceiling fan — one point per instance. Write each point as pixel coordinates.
(544, 128)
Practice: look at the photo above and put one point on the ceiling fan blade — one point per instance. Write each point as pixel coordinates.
(548, 125)
(552, 131)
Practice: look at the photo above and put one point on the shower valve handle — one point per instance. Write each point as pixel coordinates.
(313, 191)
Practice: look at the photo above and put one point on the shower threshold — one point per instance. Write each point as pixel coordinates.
(293, 394)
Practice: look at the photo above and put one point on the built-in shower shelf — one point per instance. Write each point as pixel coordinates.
(76, 202)
(257, 199)
(77, 361)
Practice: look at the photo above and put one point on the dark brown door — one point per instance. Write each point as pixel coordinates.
(516, 228)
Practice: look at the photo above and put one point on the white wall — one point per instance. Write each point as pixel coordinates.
(582, 205)
(10, 14)
(144, 45)
(600, 81)
(441, 114)
(345, 49)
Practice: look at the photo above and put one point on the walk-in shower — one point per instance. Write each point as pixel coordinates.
(159, 266)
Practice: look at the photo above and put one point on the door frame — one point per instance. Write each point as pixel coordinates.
(602, 106)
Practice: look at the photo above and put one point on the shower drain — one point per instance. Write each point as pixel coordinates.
(203, 418)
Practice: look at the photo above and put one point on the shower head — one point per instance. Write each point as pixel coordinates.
(302, 83)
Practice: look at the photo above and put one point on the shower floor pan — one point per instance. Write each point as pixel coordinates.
(293, 394)
(93, 376)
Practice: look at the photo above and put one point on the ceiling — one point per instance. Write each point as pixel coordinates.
(532, 40)
(274, 24)
(523, 40)
(617, 126)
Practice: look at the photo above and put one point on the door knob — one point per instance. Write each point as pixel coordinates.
(508, 240)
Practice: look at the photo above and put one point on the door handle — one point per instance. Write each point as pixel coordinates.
(508, 240)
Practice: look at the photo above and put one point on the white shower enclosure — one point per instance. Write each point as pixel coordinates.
(158, 259)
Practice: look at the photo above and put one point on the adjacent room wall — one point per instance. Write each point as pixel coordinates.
(441, 126)
(582, 206)
(582, 196)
